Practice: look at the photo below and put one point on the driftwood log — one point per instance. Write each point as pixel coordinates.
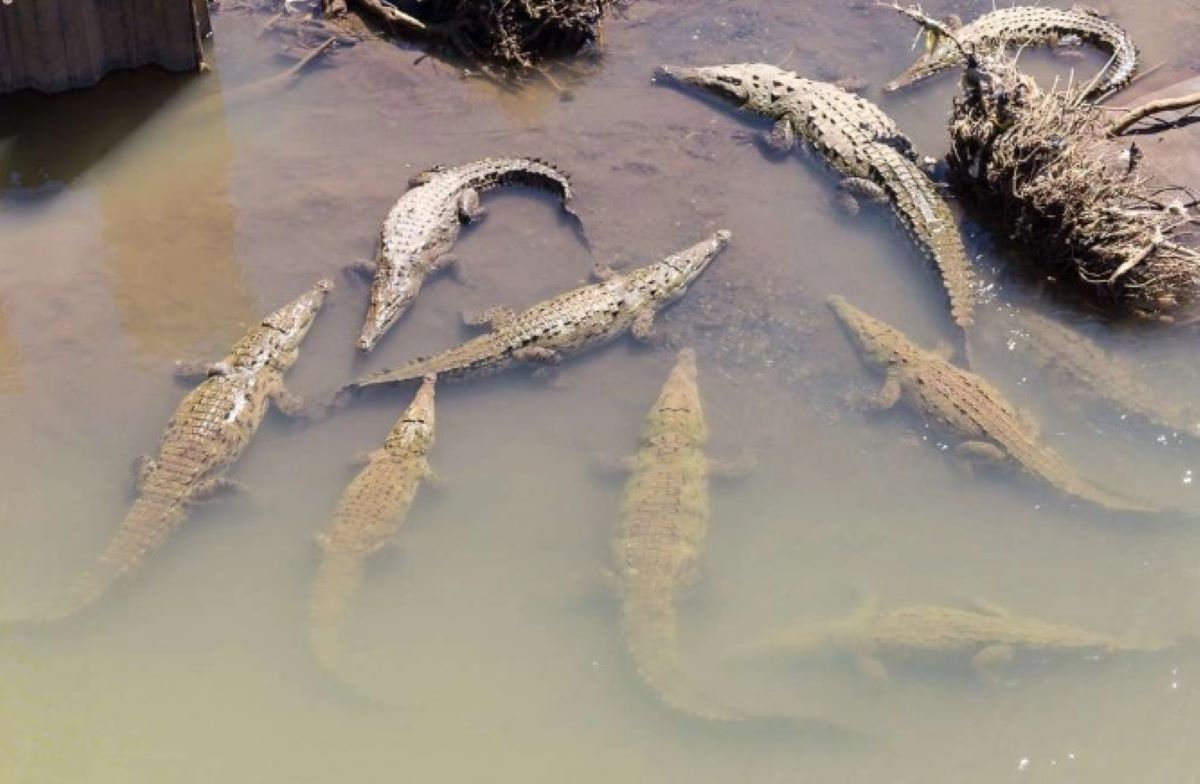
(55, 45)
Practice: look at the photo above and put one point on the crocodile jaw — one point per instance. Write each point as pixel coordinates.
(719, 80)
(930, 64)
(867, 334)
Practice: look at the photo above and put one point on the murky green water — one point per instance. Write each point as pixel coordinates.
(134, 231)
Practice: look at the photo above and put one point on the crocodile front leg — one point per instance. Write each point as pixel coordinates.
(211, 489)
(643, 327)
(886, 398)
(190, 371)
(988, 662)
(287, 403)
(361, 270)
(780, 140)
(143, 466)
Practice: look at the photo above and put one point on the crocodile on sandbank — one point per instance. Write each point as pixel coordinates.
(1022, 26)
(425, 223)
(986, 636)
(966, 407)
(664, 522)
(547, 332)
(208, 432)
(1099, 375)
(858, 141)
(369, 516)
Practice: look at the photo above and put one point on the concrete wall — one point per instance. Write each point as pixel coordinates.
(54, 45)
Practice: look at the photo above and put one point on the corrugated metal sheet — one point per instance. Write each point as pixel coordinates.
(55, 45)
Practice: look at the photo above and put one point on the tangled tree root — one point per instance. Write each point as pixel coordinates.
(510, 35)
(1036, 165)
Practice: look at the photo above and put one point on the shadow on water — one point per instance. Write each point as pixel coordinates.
(168, 222)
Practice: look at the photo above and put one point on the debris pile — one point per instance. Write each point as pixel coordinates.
(512, 35)
(1040, 168)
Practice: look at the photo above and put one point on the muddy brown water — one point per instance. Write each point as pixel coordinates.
(133, 233)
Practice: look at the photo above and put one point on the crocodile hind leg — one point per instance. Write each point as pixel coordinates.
(492, 318)
(469, 208)
(855, 190)
(735, 468)
(988, 662)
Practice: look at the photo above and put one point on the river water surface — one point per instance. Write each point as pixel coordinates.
(151, 219)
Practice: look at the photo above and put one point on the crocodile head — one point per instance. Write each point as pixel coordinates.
(389, 300)
(878, 343)
(754, 87)
(940, 53)
(276, 341)
(678, 416)
(667, 280)
(414, 431)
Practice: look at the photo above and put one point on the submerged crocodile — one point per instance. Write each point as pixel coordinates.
(208, 432)
(861, 143)
(368, 517)
(1099, 375)
(664, 523)
(425, 223)
(566, 324)
(985, 635)
(1023, 26)
(965, 406)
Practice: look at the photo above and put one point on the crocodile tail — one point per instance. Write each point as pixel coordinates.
(1122, 65)
(650, 634)
(337, 581)
(541, 174)
(146, 525)
(930, 224)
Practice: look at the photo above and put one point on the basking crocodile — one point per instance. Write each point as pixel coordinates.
(566, 324)
(986, 636)
(368, 517)
(1022, 26)
(424, 224)
(965, 406)
(860, 142)
(664, 522)
(1099, 375)
(208, 432)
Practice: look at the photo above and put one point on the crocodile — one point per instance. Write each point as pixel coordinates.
(1102, 377)
(545, 333)
(425, 223)
(987, 636)
(965, 406)
(369, 516)
(1022, 26)
(208, 432)
(664, 523)
(861, 143)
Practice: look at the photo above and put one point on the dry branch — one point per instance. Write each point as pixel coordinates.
(1133, 116)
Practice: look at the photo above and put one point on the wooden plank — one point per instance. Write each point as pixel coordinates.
(53, 45)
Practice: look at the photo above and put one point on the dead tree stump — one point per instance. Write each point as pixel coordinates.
(56, 45)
